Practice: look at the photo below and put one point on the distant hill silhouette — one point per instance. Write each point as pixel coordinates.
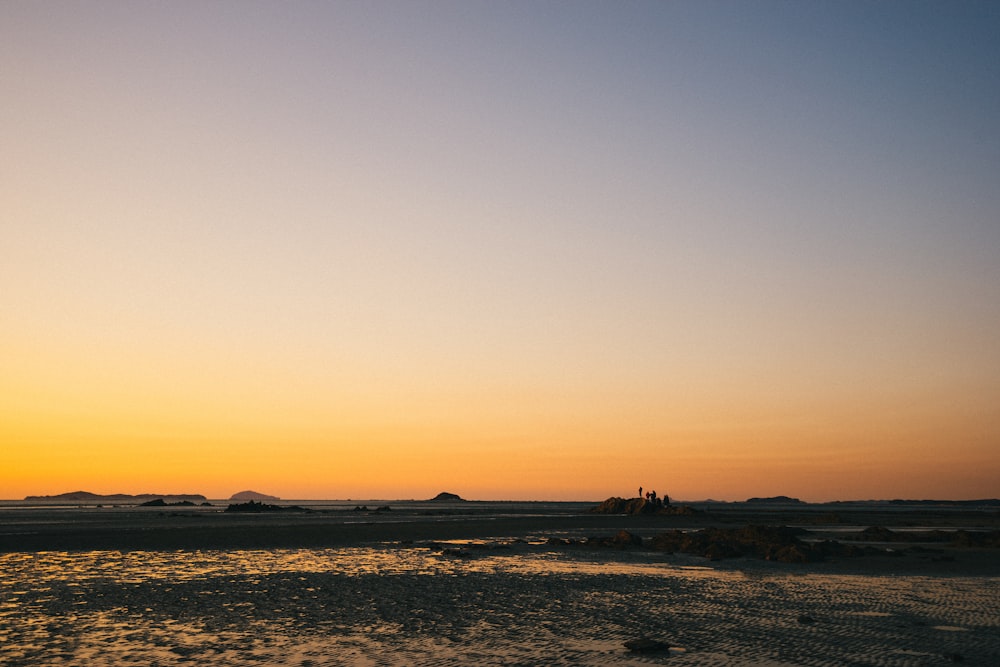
(444, 496)
(252, 495)
(86, 496)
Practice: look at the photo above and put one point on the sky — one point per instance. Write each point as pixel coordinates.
(509, 250)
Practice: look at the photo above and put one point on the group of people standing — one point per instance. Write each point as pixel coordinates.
(652, 498)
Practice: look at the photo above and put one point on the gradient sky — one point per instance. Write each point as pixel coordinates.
(538, 250)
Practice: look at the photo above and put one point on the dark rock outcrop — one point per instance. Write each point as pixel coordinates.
(775, 543)
(640, 506)
(613, 505)
(678, 510)
(378, 510)
(160, 502)
(778, 543)
(252, 507)
(445, 497)
(632, 506)
(876, 534)
(620, 540)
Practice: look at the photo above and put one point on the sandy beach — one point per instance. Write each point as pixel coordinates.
(107, 586)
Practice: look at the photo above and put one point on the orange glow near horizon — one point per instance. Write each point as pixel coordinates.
(413, 446)
(100, 417)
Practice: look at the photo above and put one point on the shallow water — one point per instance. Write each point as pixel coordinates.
(510, 604)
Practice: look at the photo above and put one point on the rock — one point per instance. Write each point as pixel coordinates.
(623, 506)
(670, 541)
(259, 508)
(678, 510)
(446, 497)
(612, 505)
(645, 645)
(779, 543)
(721, 551)
(640, 506)
(160, 502)
(623, 539)
(620, 540)
(877, 534)
(790, 553)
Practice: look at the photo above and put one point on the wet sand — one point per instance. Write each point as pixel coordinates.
(195, 588)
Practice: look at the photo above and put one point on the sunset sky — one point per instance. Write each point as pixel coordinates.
(510, 250)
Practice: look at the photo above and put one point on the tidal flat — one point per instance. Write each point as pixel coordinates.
(470, 587)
